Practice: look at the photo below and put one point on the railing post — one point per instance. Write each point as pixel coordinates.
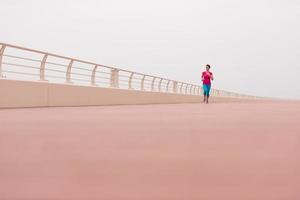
(167, 87)
(175, 86)
(191, 89)
(93, 76)
(130, 81)
(181, 87)
(186, 88)
(152, 85)
(114, 78)
(159, 84)
(68, 74)
(1, 57)
(194, 91)
(143, 82)
(42, 68)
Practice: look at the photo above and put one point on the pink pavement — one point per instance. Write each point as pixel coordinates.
(229, 151)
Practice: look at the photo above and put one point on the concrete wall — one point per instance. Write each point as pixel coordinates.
(43, 94)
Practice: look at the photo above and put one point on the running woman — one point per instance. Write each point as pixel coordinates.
(207, 77)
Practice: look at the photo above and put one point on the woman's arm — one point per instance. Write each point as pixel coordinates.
(212, 77)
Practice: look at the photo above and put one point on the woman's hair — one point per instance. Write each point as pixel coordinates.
(208, 66)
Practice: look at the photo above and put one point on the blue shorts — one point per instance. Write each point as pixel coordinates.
(206, 89)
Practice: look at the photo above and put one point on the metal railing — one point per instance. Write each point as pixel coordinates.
(23, 63)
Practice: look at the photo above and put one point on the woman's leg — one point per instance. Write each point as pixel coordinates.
(204, 92)
(208, 93)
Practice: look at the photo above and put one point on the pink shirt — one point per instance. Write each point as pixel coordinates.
(207, 77)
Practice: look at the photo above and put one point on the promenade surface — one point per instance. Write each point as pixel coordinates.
(221, 151)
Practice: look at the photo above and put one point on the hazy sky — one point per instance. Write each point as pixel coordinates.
(252, 45)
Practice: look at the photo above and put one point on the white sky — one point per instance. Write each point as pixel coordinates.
(252, 45)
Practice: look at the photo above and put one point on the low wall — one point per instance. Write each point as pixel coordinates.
(16, 94)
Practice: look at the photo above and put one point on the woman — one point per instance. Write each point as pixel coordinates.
(207, 77)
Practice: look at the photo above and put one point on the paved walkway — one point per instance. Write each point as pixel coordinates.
(220, 151)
